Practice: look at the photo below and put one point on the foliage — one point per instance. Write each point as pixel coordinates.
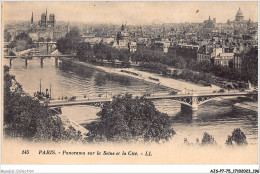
(11, 53)
(127, 118)
(75, 38)
(207, 139)
(181, 60)
(70, 42)
(22, 42)
(84, 52)
(41, 39)
(100, 51)
(25, 117)
(7, 36)
(238, 137)
(250, 66)
(64, 45)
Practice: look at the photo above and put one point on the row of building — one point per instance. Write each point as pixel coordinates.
(217, 43)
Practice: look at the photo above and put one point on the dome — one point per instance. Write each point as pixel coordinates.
(239, 12)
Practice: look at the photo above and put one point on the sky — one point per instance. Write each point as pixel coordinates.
(135, 13)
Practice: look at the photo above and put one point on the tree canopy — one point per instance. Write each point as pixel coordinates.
(25, 117)
(69, 43)
(7, 36)
(84, 52)
(238, 137)
(41, 39)
(127, 118)
(22, 41)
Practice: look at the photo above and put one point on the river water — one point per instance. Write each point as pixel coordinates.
(218, 118)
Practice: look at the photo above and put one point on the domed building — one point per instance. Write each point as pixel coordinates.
(122, 34)
(239, 15)
(239, 23)
(122, 38)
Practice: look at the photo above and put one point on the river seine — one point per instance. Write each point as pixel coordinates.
(218, 118)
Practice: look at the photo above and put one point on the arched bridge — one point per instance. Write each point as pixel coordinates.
(188, 101)
(193, 101)
(41, 57)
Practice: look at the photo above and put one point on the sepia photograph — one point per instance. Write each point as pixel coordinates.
(129, 82)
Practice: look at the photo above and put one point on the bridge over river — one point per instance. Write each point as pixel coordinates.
(43, 56)
(189, 102)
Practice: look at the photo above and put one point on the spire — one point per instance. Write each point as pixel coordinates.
(46, 19)
(32, 18)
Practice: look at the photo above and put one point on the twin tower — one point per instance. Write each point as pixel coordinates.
(44, 22)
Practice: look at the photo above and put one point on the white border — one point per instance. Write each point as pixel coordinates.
(125, 168)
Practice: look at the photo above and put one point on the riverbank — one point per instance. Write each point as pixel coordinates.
(179, 85)
(253, 106)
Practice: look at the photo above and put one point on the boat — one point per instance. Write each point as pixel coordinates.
(41, 95)
(154, 79)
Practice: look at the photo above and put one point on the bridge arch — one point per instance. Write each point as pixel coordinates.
(205, 99)
(182, 100)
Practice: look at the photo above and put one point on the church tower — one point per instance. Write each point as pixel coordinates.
(46, 22)
(32, 18)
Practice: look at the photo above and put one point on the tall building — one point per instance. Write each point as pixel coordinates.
(45, 28)
(122, 38)
(51, 21)
(44, 22)
(209, 24)
(239, 15)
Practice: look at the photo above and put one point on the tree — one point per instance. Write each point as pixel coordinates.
(127, 118)
(25, 117)
(22, 41)
(24, 36)
(238, 137)
(102, 51)
(48, 39)
(250, 66)
(12, 53)
(64, 45)
(83, 51)
(7, 36)
(207, 139)
(70, 42)
(75, 38)
(41, 39)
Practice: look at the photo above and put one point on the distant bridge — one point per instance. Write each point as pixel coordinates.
(43, 56)
(189, 102)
